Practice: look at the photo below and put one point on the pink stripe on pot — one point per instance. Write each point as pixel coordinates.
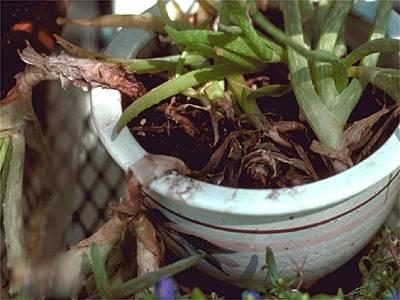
(284, 230)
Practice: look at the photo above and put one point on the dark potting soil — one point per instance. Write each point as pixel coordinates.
(244, 156)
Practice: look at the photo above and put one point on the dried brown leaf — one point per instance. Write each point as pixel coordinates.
(379, 133)
(295, 177)
(153, 166)
(342, 156)
(352, 137)
(303, 155)
(182, 121)
(259, 172)
(287, 126)
(81, 72)
(274, 135)
(216, 157)
(261, 158)
(131, 204)
(109, 233)
(225, 107)
(235, 152)
(149, 247)
(295, 162)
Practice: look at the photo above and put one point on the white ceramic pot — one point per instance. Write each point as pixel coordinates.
(324, 223)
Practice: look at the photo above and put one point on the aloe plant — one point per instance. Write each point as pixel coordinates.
(326, 103)
(327, 87)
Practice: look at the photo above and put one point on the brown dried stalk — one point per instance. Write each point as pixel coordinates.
(171, 113)
(288, 126)
(105, 238)
(337, 155)
(303, 155)
(12, 205)
(352, 137)
(153, 166)
(149, 251)
(81, 72)
(16, 110)
(379, 133)
(394, 250)
(62, 274)
(55, 278)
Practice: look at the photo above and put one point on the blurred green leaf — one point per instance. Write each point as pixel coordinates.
(197, 294)
(238, 86)
(272, 268)
(145, 295)
(215, 90)
(273, 90)
(362, 267)
(231, 42)
(5, 144)
(297, 44)
(135, 285)
(323, 297)
(262, 47)
(383, 45)
(385, 79)
(173, 87)
(99, 272)
(5, 159)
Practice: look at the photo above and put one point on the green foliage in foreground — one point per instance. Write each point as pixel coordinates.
(380, 270)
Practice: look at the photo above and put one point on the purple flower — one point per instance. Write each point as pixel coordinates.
(396, 296)
(250, 295)
(165, 289)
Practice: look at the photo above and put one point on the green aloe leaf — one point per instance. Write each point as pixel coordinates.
(5, 144)
(339, 72)
(327, 88)
(173, 87)
(5, 158)
(197, 294)
(215, 90)
(229, 29)
(382, 45)
(273, 90)
(99, 272)
(159, 64)
(232, 42)
(330, 129)
(240, 14)
(387, 80)
(271, 265)
(379, 30)
(343, 104)
(216, 45)
(133, 286)
(238, 86)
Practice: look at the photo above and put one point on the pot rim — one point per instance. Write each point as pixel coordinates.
(183, 190)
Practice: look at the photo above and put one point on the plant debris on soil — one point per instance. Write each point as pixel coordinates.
(248, 157)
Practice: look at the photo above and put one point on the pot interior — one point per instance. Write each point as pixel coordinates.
(125, 150)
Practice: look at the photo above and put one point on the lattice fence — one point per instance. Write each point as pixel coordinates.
(85, 176)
